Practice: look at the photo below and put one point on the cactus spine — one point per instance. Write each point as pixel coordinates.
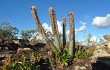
(72, 35)
(64, 32)
(54, 27)
(41, 30)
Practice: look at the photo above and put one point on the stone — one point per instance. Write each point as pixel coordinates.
(107, 37)
(20, 50)
(100, 51)
(80, 68)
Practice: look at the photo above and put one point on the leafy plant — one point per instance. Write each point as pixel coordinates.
(12, 66)
(83, 54)
(23, 65)
(52, 62)
(35, 56)
(63, 58)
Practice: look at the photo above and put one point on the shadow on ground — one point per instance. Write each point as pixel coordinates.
(103, 63)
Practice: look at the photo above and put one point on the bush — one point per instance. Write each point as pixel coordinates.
(83, 54)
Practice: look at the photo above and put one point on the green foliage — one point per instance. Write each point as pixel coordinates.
(8, 32)
(83, 54)
(35, 56)
(52, 62)
(12, 66)
(23, 65)
(27, 34)
(62, 57)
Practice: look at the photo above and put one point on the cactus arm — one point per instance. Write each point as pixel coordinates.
(72, 35)
(64, 32)
(54, 27)
(41, 30)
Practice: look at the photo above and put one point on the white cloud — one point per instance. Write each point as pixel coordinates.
(59, 26)
(46, 26)
(83, 23)
(93, 39)
(82, 28)
(101, 22)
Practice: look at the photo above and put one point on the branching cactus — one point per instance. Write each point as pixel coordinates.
(41, 30)
(54, 27)
(72, 35)
(56, 32)
(64, 32)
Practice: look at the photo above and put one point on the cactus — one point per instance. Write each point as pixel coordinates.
(64, 32)
(55, 30)
(54, 27)
(41, 30)
(72, 35)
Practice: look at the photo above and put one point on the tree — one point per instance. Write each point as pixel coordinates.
(8, 32)
(27, 34)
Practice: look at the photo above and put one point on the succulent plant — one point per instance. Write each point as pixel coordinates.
(72, 34)
(56, 32)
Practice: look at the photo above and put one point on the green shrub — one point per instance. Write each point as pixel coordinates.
(83, 54)
(62, 57)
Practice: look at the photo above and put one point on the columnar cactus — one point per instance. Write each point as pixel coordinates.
(41, 30)
(55, 30)
(54, 27)
(72, 34)
(64, 31)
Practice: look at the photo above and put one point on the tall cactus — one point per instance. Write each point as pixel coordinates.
(64, 31)
(72, 35)
(41, 30)
(54, 27)
(55, 30)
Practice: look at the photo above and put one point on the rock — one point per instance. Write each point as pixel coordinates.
(77, 67)
(20, 50)
(100, 51)
(22, 53)
(107, 37)
(80, 68)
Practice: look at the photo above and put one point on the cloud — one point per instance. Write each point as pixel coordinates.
(46, 26)
(60, 26)
(93, 39)
(82, 28)
(83, 23)
(101, 22)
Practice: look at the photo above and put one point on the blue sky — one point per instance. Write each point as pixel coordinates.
(89, 15)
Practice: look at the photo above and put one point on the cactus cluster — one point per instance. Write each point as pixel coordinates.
(55, 31)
